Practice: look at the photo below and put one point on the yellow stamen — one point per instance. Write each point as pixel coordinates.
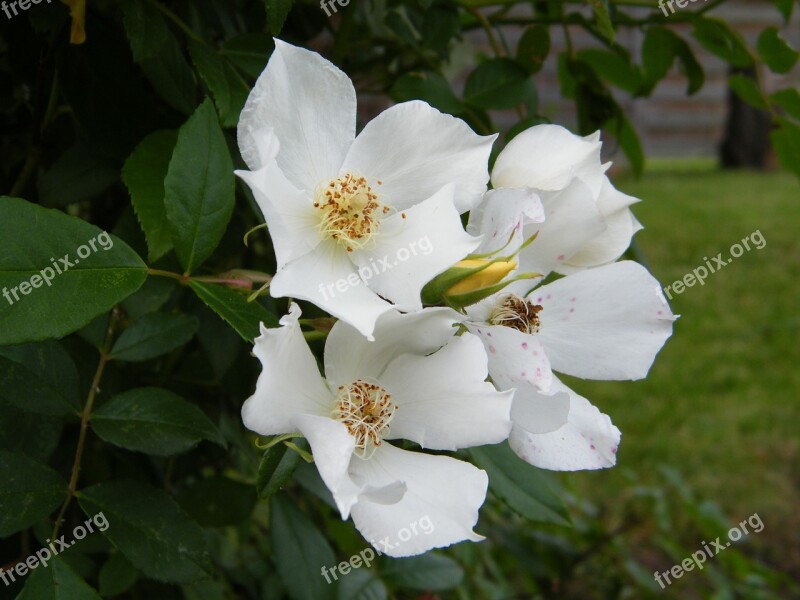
(366, 409)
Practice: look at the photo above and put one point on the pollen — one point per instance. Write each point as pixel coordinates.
(350, 211)
(366, 409)
(517, 313)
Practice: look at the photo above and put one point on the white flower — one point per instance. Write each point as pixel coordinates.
(340, 207)
(416, 381)
(594, 223)
(603, 323)
(561, 431)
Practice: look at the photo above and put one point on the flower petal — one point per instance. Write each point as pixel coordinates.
(415, 150)
(571, 221)
(288, 212)
(548, 157)
(443, 401)
(333, 447)
(413, 247)
(604, 323)
(502, 212)
(539, 413)
(612, 243)
(589, 440)
(290, 383)
(327, 278)
(311, 105)
(350, 356)
(515, 358)
(440, 507)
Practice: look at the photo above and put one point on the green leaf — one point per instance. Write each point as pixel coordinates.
(199, 188)
(362, 584)
(397, 19)
(603, 19)
(234, 308)
(153, 335)
(786, 140)
(249, 52)
(146, 29)
(117, 576)
(275, 470)
(785, 8)
(430, 572)
(153, 421)
(228, 88)
(660, 49)
(498, 83)
(788, 100)
(630, 143)
(523, 487)
(428, 86)
(533, 48)
(39, 378)
(76, 176)
(155, 292)
(30, 236)
(439, 27)
(277, 11)
(303, 551)
(159, 54)
(28, 433)
(613, 68)
(720, 39)
(747, 89)
(144, 174)
(218, 501)
(778, 55)
(30, 492)
(56, 581)
(149, 528)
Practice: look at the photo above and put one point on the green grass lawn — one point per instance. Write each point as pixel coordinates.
(722, 403)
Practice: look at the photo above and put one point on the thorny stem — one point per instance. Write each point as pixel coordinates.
(85, 417)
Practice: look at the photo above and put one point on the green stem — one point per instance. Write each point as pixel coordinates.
(178, 21)
(184, 279)
(85, 417)
(314, 335)
(487, 27)
(241, 283)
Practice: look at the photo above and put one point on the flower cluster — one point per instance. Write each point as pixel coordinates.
(480, 367)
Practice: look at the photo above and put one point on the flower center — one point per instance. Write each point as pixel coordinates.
(348, 205)
(366, 410)
(512, 311)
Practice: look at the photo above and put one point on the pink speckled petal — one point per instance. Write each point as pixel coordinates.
(515, 358)
(604, 323)
(589, 440)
